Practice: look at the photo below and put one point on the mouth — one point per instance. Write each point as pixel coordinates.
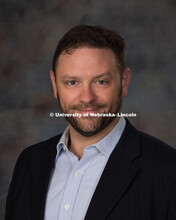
(84, 111)
(88, 109)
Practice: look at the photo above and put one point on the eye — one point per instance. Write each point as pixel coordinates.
(71, 82)
(102, 82)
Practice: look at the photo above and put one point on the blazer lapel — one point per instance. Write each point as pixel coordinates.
(117, 175)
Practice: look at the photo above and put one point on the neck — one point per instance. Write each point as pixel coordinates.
(78, 142)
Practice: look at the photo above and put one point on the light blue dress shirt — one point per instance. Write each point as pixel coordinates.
(74, 181)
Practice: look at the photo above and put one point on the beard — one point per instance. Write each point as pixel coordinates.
(89, 126)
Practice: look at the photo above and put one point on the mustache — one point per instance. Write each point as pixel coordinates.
(83, 106)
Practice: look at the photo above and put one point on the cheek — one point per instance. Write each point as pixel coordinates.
(113, 98)
(67, 97)
(105, 97)
(109, 95)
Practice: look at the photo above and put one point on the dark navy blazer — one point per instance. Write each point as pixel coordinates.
(138, 182)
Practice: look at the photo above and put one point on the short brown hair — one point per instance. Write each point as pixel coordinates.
(91, 36)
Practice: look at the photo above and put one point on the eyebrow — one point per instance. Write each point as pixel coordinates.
(70, 77)
(103, 74)
(96, 77)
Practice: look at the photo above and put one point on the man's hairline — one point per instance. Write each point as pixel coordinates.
(71, 50)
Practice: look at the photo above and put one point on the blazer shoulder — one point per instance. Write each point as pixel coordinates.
(156, 149)
(41, 147)
(155, 143)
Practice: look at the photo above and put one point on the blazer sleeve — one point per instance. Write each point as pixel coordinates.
(172, 208)
(15, 182)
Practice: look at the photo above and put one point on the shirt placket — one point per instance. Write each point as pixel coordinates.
(73, 184)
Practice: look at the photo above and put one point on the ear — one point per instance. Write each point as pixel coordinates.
(53, 80)
(125, 81)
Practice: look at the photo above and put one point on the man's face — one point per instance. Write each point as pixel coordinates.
(89, 81)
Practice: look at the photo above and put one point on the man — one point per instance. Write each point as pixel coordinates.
(100, 167)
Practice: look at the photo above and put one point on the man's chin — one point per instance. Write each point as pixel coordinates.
(89, 126)
(86, 126)
(87, 132)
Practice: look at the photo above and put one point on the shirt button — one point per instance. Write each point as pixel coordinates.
(67, 206)
(76, 173)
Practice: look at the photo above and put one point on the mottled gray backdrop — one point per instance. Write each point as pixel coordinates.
(29, 32)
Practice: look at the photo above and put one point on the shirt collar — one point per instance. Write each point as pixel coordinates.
(106, 145)
(63, 142)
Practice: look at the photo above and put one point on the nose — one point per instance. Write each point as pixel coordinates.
(87, 94)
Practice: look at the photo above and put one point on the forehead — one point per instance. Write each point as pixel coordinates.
(87, 57)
